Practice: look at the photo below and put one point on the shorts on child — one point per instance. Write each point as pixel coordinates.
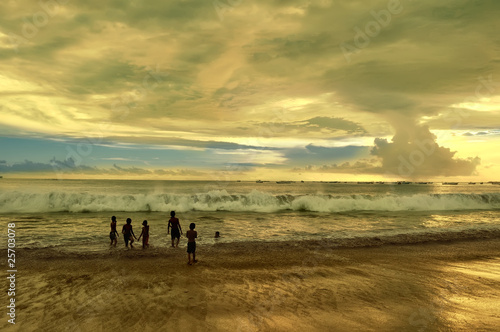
(175, 233)
(191, 247)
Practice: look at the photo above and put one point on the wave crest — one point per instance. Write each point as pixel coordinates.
(221, 200)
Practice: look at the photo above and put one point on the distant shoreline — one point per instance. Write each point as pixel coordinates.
(367, 182)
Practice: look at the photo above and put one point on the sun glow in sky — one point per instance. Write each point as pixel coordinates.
(246, 90)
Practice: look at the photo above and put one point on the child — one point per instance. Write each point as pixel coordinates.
(128, 233)
(176, 229)
(217, 234)
(144, 234)
(191, 235)
(113, 234)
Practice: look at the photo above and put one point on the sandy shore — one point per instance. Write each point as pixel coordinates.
(452, 286)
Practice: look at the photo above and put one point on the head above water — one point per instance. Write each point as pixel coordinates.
(172, 214)
(129, 220)
(192, 226)
(145, 222)
(217, 234)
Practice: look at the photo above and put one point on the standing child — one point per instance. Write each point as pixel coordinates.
(113, 234)
(128, 233)
(176, 229)
(191, 235)
(145, 234)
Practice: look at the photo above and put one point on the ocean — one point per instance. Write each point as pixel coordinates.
(74, 215)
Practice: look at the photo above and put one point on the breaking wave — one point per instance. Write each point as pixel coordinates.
(221, 200)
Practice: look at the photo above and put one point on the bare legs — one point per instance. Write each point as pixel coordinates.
(190, 262)
(177, 244)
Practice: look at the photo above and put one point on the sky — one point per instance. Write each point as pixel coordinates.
(250, 89)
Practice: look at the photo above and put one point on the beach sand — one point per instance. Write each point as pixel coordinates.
(313, 286)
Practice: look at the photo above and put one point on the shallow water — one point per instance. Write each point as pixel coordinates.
(75, 214)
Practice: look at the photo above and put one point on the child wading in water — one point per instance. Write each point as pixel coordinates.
(128, 233)
(144, 234)
(191, 235)
(176, 229)
(113, 234)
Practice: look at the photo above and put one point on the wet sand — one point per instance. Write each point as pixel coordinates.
(313, 286)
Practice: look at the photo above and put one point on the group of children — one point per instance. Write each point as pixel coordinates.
(173, 223)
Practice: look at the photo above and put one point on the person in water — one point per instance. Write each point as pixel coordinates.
(113, 234)
(128, 233)
(144, 234)
(176, 229)
(217, 234)
(191, 235)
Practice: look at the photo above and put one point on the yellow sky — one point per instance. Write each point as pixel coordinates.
(302, 90)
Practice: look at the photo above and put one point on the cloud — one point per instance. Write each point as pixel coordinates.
(104, 76)
(223, 79)
(180, 172)
(402, 83)
(118, 158)
(365, 166)
(335, 123)
(131, 170)
(60, 168)
(53, 166)
(480, 133)
(162, 143)
(312, 154)
(317, 127)
(414, 153)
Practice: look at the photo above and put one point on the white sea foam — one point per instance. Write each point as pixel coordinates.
(221, 200)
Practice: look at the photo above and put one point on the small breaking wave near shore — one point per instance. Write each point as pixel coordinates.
(417, 238)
